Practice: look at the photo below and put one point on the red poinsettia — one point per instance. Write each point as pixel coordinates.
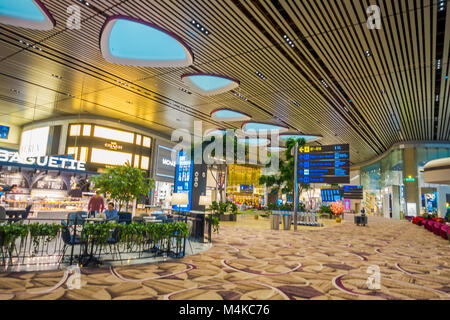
(337, 208)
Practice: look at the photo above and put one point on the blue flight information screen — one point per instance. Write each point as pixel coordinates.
(183, 179)
(324, 164)
(4, 132)
(331, 194)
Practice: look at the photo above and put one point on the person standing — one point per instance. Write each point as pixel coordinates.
(96, 204)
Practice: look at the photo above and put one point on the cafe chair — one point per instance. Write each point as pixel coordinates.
(2, 215)
(124, 218)
(113, 242)
(68, 240)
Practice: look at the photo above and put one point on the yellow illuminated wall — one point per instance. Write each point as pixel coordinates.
(246, 175)
(113, 158)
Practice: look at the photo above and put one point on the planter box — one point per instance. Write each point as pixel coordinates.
(227, 217)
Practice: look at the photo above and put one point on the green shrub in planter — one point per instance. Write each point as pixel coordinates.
(42, 234)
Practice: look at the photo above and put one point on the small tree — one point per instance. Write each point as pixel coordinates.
(123, 184)
(283, 181)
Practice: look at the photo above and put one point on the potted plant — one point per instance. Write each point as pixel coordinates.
(234, 210)
(338, 209)
(123, 184)
(325, 210)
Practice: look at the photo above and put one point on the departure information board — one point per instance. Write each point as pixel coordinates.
(352, 192)
(324, 164)
(330, 194)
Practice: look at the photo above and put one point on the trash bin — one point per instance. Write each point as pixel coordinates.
(287, 220)
(275, 221)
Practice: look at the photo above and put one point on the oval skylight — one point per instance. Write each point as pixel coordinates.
(31, 14)
(215, 132)
(209, 84)
(260, 142)
(308, 137)
(229, 115)
(130, 41)
(261, 126)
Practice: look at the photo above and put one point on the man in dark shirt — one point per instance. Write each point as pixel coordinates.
(96, 204)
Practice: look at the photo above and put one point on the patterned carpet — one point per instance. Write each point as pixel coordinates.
(254, 263)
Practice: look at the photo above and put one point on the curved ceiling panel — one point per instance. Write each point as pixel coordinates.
(130, 41)
(229, 115)
(31, 14)
(209, 84)
(262, 126)
(215, 132)
(308, 137)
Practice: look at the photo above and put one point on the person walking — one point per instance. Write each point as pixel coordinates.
(96, 204)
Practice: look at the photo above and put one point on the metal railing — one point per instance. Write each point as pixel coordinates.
(22, 248)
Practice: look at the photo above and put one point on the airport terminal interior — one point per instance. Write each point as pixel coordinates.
(224, 150)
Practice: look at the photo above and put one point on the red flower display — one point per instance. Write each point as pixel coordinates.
(337, 208)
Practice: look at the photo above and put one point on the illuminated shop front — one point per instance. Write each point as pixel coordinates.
(49, 183)
(164, 174)
(105, 147)
(243, 185)
(394, 184)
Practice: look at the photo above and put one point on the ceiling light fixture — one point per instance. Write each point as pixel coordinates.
(185, 91)
(239, 95)
(56, 76)
(368, 53)
(288, 41)
(296, 103)
(438, 64)
(324, 83)
(259, 74)
(199, 27)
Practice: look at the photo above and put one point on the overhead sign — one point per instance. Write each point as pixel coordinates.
(324, 164)
(330, 194)
(352, 192)
(45, 162)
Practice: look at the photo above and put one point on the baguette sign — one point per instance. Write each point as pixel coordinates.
(12, 157)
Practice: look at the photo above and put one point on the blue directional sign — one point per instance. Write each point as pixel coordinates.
(324, 164)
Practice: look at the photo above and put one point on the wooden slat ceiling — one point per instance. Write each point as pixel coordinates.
(369, 102)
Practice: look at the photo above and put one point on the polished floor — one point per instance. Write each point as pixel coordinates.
(249, 261)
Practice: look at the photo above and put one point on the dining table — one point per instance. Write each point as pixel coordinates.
(14, 213)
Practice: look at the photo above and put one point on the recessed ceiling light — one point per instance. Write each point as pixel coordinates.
(259, 74)
(200, 27)
(288, 41)
(185, 91)
(368, 53)
(324, 83)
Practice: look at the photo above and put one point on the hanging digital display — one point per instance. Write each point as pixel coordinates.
(352, 192)
(330, 194)
(4, 132)
(324, 164)
(183, 179)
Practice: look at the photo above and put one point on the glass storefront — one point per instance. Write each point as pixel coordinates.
(243, 186)
(394, 185)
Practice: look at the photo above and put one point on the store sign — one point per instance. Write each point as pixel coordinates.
(33, 143)
(165, 166)
(46, 162)
(113, 146)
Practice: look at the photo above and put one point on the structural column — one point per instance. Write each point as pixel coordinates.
(411, 182)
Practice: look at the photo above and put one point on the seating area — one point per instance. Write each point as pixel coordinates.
(89, 240)
(435, 225)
